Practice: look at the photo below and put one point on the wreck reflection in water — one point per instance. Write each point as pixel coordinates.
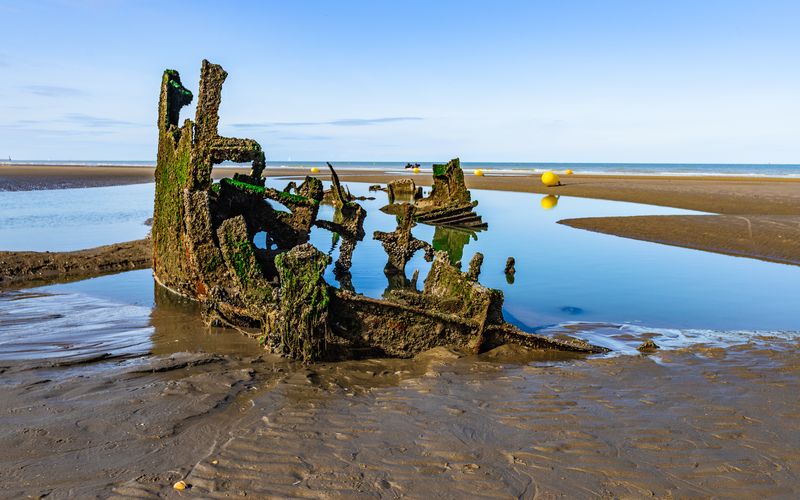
(107, 319)
(565, 274)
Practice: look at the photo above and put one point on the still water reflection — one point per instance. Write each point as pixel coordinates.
(567, 274)
(125, 315)
(73, 219)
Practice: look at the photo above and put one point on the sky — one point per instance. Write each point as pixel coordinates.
(645, 81)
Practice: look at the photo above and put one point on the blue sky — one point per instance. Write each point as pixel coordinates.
(561, 81)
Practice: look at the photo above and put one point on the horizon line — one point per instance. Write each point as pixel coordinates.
(42, 161)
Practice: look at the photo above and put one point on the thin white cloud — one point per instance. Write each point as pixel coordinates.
(96, 121)
(53, 91)
(78, 119)
(304, 138)
(342, 122)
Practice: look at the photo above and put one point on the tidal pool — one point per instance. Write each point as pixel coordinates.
(608, 290)
(109, 318)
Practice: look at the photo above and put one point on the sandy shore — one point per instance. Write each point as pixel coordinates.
(752, 204)
(32, 177)
(773, 238)
(701, 422)
(721, 195)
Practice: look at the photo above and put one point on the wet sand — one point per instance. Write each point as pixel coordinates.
(33, 177)
(18, 269)
(772, 238)
(699, 422)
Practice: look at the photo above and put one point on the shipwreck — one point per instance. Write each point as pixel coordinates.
(203, 248)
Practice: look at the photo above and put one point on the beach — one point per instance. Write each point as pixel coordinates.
(729, 195)
(257, 266)
(507, 424)
(207, 406)
(32, 177)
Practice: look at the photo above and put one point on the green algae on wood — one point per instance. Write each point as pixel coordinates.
(203, 248)
(303, 329)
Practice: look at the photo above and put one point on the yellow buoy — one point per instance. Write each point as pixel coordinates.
(479, 172)
(314, 170)
(568, 172)
(549, 202)
(180, 485)
(416, 170)
(550, 179)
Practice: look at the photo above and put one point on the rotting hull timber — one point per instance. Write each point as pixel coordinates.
(203, 249)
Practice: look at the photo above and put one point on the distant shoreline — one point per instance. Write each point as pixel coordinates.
(510, 168)
(730, 194)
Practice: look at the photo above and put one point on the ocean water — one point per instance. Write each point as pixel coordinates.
(608, 290)
(673, 169)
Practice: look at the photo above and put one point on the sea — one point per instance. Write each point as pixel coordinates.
(666, 169)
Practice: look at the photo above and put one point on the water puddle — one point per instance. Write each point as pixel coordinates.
(70, 327)
(115, 317)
